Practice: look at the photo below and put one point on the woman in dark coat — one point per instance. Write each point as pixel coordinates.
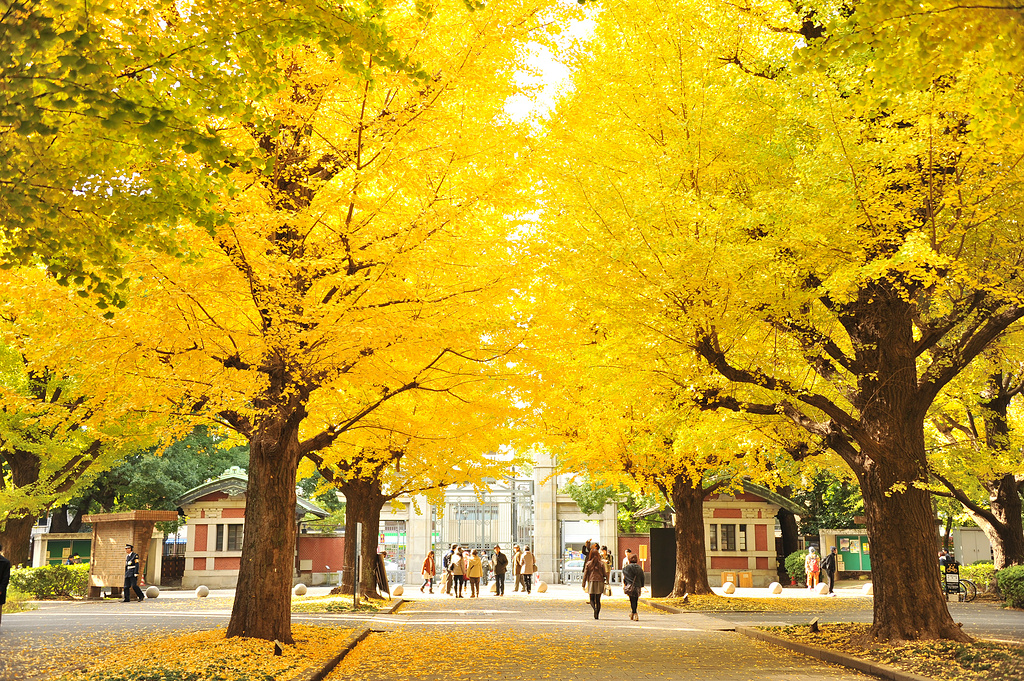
(594, 576)
(632, 582)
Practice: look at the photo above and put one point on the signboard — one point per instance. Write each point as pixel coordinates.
(952, 571)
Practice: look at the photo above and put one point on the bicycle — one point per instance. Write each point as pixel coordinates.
(968, 591)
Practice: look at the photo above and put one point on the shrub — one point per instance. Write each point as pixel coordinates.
(52, 581)
(1011, 584)
(795, 566)
(982, 573)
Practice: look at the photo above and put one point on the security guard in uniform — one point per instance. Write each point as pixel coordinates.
(131, 574)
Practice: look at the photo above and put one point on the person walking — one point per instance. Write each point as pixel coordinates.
(829, 565)
(131, 574)
(458, 572)
(517, 566)
(625, 558)
(529, 567)
(446, 567)
(595, 573)
(5, 580)
(632, 583)
(500, 562)
(474, 571)
(812, 564)
(429, 570)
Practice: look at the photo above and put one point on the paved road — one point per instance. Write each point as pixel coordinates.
(529, 638)
(515, 637)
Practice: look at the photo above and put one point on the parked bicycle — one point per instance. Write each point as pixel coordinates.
(968, 591)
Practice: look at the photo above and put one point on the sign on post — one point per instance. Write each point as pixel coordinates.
(952, 571)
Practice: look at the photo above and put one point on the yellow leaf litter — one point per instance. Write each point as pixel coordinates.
(210, 655)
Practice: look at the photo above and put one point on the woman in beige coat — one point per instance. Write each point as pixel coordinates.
(475, 572)
(458, 572)
(529, 567)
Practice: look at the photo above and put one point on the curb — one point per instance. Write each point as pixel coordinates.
(665, 608)
(351, 642)
(326, 668)
(390, 610)
(868, 667)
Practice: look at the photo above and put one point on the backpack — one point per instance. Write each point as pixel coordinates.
(446, 560)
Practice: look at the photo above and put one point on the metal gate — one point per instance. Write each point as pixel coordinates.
(502, 515)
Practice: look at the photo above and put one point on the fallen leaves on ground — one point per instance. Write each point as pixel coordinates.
(945, 660)
(199, 656)
(334, 604)
(715, 603)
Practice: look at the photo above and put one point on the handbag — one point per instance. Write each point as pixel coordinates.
(628, 588)
(607, 590)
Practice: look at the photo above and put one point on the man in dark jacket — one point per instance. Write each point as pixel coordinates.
(131, 574)
(5, 579)
(829, 566)
(500, 562)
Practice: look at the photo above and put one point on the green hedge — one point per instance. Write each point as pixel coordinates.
(982, 573)
(52, 581)
(795, 566)
(1011, 584)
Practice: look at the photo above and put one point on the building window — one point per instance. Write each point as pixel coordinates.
(728, 537)
(743, 537)
(219, 545)
(235, 537)
(713, 537)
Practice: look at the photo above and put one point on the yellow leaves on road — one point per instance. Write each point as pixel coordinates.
(947, 660)
(725, 604)
(209, 655)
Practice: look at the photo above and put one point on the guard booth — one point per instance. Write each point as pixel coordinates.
(110, 532)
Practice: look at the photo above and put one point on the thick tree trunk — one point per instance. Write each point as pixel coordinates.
(15, 538)
(892, 467)
(1007, 534)
(363, 504)
(262, 607)
(691, 558)
(59, 520)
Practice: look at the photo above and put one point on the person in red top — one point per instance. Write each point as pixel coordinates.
(428, 571)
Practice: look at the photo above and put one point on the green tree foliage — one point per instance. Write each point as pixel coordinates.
(591, 496)
(831, 502)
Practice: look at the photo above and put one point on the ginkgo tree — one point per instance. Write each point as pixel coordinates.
(834, 264)
(113, 114)
(362, 257)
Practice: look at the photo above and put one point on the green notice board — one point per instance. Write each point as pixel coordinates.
(58, 550)
(854, 551)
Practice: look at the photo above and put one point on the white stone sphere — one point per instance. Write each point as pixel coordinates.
(868, 589)
(202, 591)
(300, 589)
(775, 588)
(729, 588)
(398, 590)
(822, 588)
(542, 587)
(152, 592)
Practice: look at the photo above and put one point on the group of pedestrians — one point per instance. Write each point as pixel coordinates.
(596, 571)
(461, 566)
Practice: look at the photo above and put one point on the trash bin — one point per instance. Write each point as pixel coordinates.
(746, 579)
(728, 577)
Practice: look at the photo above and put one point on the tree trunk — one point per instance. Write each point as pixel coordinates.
(15, 538)
(262, 607)
(691, 558)
(892, 468)
(59, 520)
(363, 504)
(1007, 534)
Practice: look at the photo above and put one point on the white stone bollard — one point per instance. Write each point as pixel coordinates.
(202, 591)
(775, 588)
(299, 589)
(398, 590)
(729, 588)
(542, 587)
(868, 589)
(822, 588)
(152, 591)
